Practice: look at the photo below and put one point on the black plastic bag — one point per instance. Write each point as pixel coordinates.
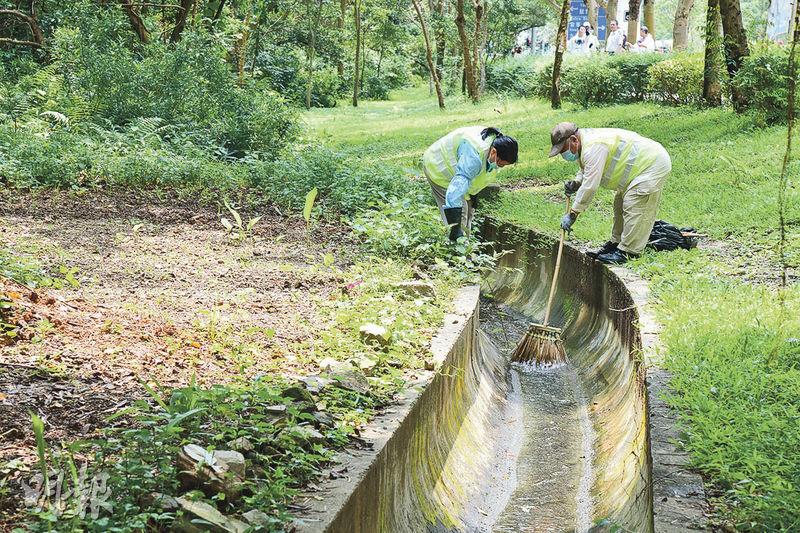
(666, 237)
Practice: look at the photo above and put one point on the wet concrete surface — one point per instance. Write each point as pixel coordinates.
(553, 467)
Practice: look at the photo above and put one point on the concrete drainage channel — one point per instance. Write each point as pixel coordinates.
(484, 445)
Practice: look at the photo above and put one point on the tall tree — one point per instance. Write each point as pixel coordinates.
(357, 62)
(680, 30)
(477, 45)
(648, 6)
(611, 11)
(466, 52)
(712, 88)
(136, 21)
(787, 157)
(633, 20)
(429, 54)
(440, 35)
(180, 20)
(591, 12)
(735, 45)
(340, 27)
(311, 50)
(561, 43)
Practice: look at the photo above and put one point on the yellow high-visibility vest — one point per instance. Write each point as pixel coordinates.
(629, 154)
(441, 158)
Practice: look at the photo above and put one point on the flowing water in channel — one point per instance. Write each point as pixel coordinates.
(552, 448)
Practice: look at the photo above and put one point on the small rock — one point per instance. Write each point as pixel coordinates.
(429, 364)
(324, 419)
(256, 517)
(315, 384)
(231, 460)
(241, 444)
(394, 363)
(298, 393)
(345, 375)
(366, 364)
(212, 520)
(375, 334)
(416, 288)
(310, 434)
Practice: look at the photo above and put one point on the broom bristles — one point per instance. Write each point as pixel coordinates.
(541, 345)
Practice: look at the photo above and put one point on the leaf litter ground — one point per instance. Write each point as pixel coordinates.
(160, 293)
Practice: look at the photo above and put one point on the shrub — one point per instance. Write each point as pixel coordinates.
(345, 185)
(591, 81)
(763, 77)
(188, 84)
(511, 76)
(635, 72)
(677, 80)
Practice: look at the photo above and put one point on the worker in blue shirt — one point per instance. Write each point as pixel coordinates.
(461, 164)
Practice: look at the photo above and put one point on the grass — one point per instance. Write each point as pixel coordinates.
(731, 345)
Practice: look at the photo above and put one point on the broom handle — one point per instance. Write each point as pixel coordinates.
(555, 275)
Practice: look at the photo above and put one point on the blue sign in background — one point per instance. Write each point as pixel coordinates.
(578, 14)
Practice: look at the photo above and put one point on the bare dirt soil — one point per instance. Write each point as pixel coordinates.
(148, 289)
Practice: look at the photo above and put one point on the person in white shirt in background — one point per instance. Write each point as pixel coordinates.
(592, 44)
(582, 42)
(578, 44)
(616, 39)
(646, 43)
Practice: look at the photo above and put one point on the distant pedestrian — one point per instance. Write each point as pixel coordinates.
(623, 161)
(646, 43)
(579, 44)
(592, 44)
(460, 165)
(615, 42)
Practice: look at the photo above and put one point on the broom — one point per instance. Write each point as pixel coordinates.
(542, 343)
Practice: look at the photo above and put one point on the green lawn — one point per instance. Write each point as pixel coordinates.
(730, 342)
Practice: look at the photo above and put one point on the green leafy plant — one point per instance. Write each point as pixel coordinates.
(238, 230)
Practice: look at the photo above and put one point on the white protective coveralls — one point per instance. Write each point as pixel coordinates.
(634, 166)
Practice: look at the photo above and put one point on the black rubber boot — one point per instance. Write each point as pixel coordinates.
(453, 217)
(617, 257)
(608, 247)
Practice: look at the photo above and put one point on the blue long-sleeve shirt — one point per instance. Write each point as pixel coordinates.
(467, 169)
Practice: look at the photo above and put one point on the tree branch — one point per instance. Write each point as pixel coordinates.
(32, 44)
(30, 20)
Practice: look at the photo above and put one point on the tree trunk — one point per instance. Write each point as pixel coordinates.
(712, 89)
(633, 21)
(136, 21)
(357, 64)
(680, 31)
(340, 27)
(787, 157)
(469, 69)
(180, 20)
(735, 44)
(218, 12)
(650, 17)
(429, 54)
(591, 12)
(483, 53)
(477, 39)
(611, 13)
(312, 51)
(441, 38)
(561, 40)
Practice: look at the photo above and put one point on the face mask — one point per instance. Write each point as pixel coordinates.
(492, 165)
(569, 156)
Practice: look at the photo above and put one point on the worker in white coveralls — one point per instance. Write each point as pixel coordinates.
(621, 160)
(461, 164)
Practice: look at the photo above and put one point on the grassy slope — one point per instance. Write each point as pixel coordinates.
(736, 365)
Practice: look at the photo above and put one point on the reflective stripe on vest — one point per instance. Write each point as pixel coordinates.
(441, 158)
